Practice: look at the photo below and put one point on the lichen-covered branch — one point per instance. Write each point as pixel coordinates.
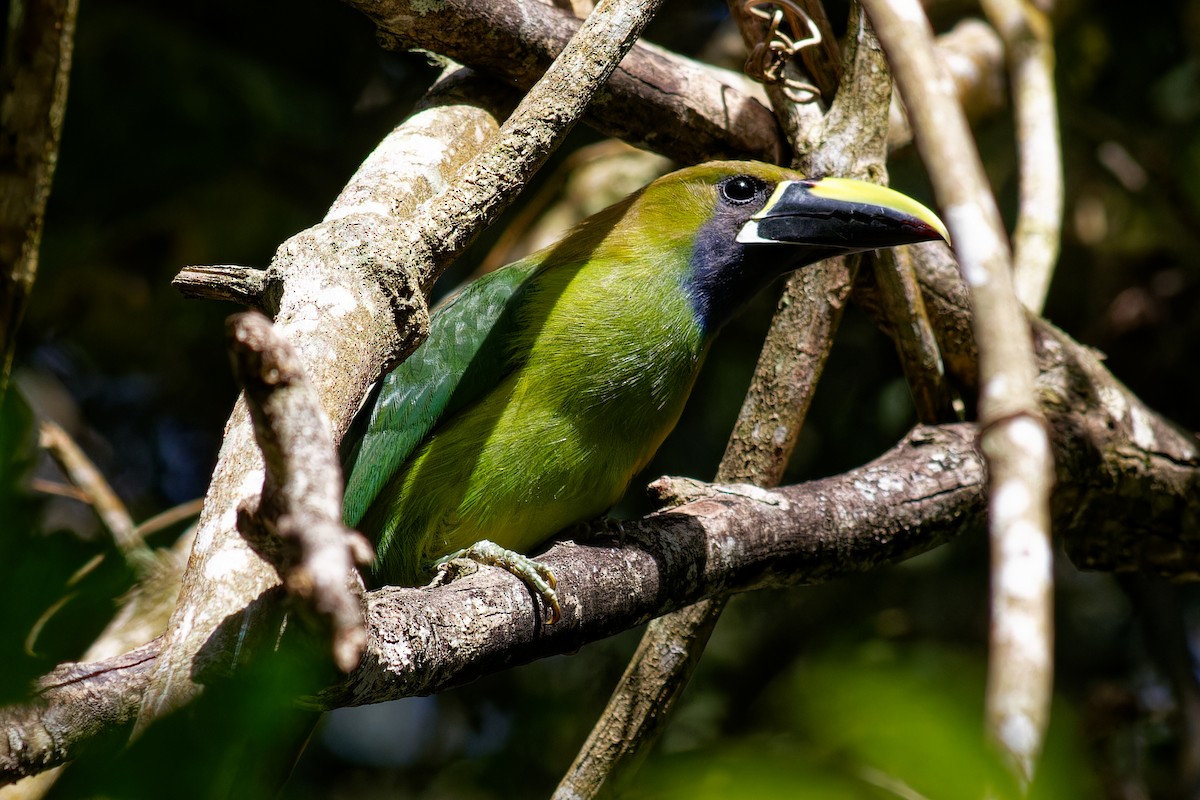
(349, 295)
(1128, 499)
(75, 704)
(725, 538)
(331, 274)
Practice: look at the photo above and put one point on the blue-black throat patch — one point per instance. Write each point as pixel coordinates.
(725, 274)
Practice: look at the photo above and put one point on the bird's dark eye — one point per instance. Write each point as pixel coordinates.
(741, 189)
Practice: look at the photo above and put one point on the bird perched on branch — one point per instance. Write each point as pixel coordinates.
(545, 386)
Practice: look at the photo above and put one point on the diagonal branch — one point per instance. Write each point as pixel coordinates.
(95, 488)
(536, 128)
(1014, 435)
(332, 273)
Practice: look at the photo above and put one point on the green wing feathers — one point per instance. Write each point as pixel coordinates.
(466, 354)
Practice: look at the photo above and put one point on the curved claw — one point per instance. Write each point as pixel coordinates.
(535, 575)
(600, 527)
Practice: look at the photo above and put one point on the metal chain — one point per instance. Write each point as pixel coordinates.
(768, 57)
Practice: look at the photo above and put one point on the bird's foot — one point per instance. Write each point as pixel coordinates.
(600, 528)
(534, 574)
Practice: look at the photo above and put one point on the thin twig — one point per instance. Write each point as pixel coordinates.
(1029, 40)
(230, 282)
(172, 516)
(1014, 435)
(58, 489)
(80, 470)
(916, 344)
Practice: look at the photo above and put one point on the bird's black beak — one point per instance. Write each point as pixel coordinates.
(843, 215)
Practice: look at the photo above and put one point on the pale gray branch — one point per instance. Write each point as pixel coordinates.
(1029, 40)
(1014, 438)
(913, 334)
(333, 273)
(972, 56)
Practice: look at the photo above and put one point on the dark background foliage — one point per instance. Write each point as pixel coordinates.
(209, 132)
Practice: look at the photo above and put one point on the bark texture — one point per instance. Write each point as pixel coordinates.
(1127, 499)
(34, 68)
(656, 99)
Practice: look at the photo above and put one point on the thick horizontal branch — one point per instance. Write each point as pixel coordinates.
(727, 538)
(1127, 499)
(76, 703)
(655, 99)
(724, 539)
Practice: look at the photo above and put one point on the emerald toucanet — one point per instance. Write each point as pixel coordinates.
(545, 386)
